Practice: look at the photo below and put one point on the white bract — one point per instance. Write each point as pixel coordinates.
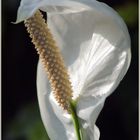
(95, 44)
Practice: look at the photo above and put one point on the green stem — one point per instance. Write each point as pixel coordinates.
(75, 120)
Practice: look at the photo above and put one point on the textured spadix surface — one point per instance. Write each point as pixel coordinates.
(51, 59)
(95, 44)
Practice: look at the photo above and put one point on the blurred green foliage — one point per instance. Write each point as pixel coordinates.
(27, 125)
(129, 12)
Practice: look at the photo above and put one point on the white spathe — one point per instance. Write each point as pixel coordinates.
(95, 44)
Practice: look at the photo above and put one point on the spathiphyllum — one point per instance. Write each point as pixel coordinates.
(84, 52)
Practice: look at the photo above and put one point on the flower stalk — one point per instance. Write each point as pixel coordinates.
(53, 64)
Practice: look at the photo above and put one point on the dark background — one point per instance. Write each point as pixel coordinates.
(20, 113)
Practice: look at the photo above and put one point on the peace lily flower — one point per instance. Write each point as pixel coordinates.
(95, 45)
